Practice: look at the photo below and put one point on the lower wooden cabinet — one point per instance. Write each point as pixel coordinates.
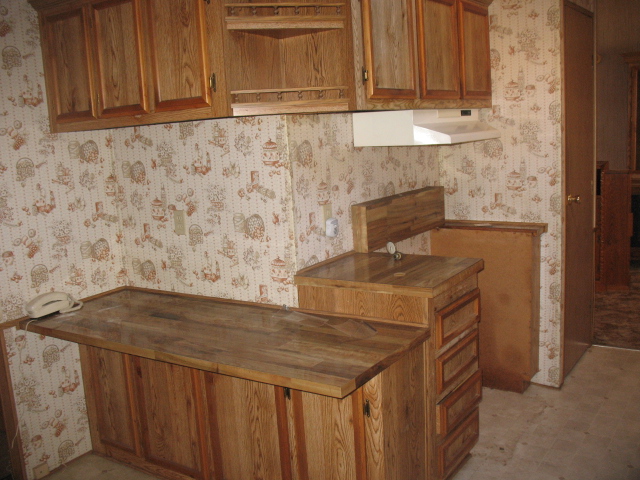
(179, 423)
(452, 379)
(171, 414)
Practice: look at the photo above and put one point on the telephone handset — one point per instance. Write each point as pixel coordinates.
(51, 302)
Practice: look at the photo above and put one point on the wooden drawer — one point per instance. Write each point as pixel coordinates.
(457, 445)
(457, 405)
(457, 363)
(457, 317)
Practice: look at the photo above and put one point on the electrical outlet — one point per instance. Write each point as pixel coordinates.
(179, 224)
(41, 470)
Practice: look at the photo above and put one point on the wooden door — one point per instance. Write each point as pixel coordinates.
(326, 436)
(67, 65)
(389, 49)
(172, 417)
(180, 61)
(579, 178)
(439, 49)
(474, 48)
(119, 54)
(110, 391)
(248, 429)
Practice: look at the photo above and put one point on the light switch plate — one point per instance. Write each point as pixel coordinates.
(179, 223)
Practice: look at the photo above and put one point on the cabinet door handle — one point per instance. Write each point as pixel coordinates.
(213, 83)
(366, 409)
(573, 199)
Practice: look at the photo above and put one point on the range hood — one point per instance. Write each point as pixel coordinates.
(419, 127)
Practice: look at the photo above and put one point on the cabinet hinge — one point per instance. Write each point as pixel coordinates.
(365, 75)
(213, 83)
(287, 393)
(367, 408)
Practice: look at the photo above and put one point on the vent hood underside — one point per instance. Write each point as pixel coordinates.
(419, 127)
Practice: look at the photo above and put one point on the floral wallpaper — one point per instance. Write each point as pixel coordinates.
(233, 207)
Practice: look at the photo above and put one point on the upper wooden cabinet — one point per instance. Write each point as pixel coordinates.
(389, 49)
(289, 57)
(68, 66)
(118, 46)
(112, 63)
(442, 45)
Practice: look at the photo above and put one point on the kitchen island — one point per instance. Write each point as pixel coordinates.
(192, 387)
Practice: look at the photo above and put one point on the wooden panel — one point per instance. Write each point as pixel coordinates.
(245, 340)
(439, 49)
(613, 226)
(396, 440)
(389, 49)
(325, 439)
(118, 41)
(418, 275)
(456, 406)
(457, 317)
(179, 54)
(245, 428)
(112, 393)
(457, 363)
(171, 416)
(362, 303)
(579, 178)
(67, 60)
(397, 217)
(474, 41)
(10, 412)
(458, 445)
(510, 286)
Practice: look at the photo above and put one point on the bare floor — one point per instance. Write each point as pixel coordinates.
(588, 430)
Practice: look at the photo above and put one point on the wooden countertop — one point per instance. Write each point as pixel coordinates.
(327, 355)
(418, 275)
(534, 229)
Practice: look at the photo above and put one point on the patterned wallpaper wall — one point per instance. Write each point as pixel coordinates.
(227, 208)
(233, 207)
(519, 176)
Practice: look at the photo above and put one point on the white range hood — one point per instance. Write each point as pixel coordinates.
(419, 127)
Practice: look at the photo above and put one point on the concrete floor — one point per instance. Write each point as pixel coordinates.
(588, 430)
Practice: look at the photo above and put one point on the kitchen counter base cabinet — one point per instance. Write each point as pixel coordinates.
(437, 291)
(182, 423)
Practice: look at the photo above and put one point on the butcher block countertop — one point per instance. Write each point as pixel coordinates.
(419, 275)
(327, 355)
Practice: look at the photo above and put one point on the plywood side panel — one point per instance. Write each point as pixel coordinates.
(510, 286)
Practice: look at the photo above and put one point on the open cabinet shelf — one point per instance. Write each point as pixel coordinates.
(296, 57)
(289, 100)
(284, 16)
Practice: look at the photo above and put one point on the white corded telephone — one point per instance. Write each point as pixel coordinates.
(51, 302)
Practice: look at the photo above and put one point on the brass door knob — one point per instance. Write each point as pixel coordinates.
(573, 199)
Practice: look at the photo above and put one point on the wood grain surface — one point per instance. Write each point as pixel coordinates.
(396, 217)
(319, 354)
(418, 275)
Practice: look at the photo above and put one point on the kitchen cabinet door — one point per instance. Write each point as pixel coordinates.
(68, 65)
(248, 430)
(110, 400)
(119, 53)
(389, 49)
(179, 54)
(172, 417)
(439, 49)
(474, 48)
(326, 436)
